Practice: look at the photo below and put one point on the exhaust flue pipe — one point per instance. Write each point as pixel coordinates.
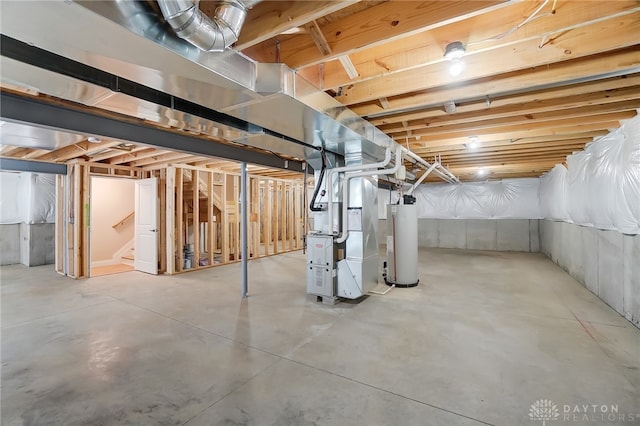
(212, 35)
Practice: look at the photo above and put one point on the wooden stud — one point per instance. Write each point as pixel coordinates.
(162, 228)
(291, 216)
(179, 219)
(170, 224)
(211, 225)
(195, 182)
(59, 224)
(85, 225)
(268, 235)
(225, 221)
(77, 221)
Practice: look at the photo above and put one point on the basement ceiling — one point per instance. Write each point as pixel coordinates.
(540, 79)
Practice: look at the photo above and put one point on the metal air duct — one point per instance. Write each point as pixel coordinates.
(212, 35)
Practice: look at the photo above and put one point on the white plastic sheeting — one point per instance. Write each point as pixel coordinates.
(9, 198)
(506, 199)
(601, 186)
(27, 198)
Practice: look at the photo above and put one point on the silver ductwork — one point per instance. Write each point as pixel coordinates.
(211, 35)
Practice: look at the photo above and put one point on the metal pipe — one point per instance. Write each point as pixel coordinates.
(422, 178)
(244, 227)
(344, 234)
(213, 35)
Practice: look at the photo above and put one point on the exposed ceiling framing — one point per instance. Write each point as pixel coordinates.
(541, 78)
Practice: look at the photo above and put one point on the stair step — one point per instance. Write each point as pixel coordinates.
(128, 257)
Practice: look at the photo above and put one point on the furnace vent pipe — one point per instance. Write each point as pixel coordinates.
(212, 35)
(345, 189)
(356, 167)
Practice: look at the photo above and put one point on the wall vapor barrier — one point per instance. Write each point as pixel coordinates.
(601, 185)
(27, 198)
(505, 199)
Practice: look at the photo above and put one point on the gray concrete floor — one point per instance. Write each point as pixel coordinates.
(484, 336)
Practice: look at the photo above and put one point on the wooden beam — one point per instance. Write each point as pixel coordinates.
(160, 159)
(413, 101)
(318, 38)
(384, 22)
(195, 194)
(162, 228)
(179, 229)
(79, 149)
(479, 33)
(534, 141)
(271, 18)
(522, 58)
(549, 133)
(137, 153)
(523, 117)
(211, 225)
(438, 134)
(559, 105)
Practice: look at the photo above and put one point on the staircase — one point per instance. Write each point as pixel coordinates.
(129, 256)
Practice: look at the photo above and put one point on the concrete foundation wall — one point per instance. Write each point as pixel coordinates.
(31, 245)
(606, 262)
(476, 234)
(10, 244)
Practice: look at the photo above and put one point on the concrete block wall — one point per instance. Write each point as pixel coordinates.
(29, 244)
(10, 244)
(606, 262)
(475, 234)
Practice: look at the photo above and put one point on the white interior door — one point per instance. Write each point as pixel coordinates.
(146, 233)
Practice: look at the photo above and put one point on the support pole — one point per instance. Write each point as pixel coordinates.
(244, 226)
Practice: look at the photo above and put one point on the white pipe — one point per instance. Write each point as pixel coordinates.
(439, 170)
(345, 189)
(331, 172)
(383, 292)
(422, 178)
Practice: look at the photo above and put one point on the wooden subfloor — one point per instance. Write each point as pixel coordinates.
(110, 269)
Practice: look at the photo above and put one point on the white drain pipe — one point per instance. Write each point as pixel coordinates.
(344, 234)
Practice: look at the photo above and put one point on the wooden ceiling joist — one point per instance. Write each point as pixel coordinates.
(269, 19)
(529, 104)
(479, 34)
(384, 22)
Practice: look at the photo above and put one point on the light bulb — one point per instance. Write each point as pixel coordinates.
(456, 67)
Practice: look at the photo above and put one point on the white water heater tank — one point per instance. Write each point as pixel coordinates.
(402, 245)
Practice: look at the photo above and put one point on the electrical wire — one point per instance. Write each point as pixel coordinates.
(312, 206)
(531, 18)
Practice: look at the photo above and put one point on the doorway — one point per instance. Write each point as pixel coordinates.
(112, 225)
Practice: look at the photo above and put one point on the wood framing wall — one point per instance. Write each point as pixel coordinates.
(199, 216)
(202, 217)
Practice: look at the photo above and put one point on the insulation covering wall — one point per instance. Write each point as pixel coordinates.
(601, 185)
(27, 198)
(506, 199)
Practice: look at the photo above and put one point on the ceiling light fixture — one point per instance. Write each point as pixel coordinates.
(93, 139)
(454, 53)
(481, 172)
(473, 142)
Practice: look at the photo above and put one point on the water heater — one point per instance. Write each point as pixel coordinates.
(402, 245)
